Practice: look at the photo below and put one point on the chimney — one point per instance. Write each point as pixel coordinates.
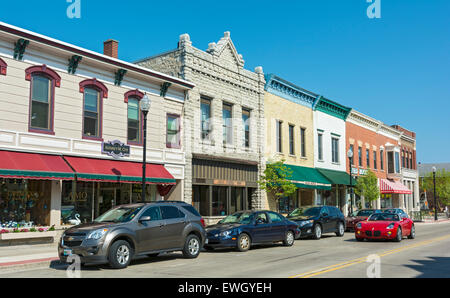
(111, 48)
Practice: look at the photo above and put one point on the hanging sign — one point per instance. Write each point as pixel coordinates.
(116, 149)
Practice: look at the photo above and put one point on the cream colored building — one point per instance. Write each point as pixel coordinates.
(86, 104)
(290, 137)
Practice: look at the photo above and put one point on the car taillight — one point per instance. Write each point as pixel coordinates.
(203, 222)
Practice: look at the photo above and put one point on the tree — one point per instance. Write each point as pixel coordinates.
(442, 186)
(276, 180)
(367, 186)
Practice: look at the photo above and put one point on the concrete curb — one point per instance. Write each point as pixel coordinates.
(26, 264)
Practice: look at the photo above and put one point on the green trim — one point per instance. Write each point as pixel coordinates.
(125, 178)
(332, 108)
(35, 174)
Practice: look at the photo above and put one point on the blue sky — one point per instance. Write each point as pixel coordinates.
(395, 69)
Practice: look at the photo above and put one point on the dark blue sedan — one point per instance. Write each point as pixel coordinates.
(246, 228)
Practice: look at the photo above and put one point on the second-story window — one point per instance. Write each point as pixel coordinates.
(353, 156)
(382, 160)
(134, 120)
(173, 139)
(303, 141)
(367, 158)
(91, 112)
(291, 140)
(335, 150)
(320, 145)
(375, 160)
(360, 156)
(206, 127)
(279, 136)
(246, 124)
(41, 98)
(227, 118)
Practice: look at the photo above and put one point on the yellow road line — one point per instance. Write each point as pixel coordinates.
(363, 259)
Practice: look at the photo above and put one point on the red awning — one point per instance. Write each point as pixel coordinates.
(392, 187)
(106, 170)
(34, 166)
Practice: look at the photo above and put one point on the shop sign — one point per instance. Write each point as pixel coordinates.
(363, 172)
(229, 182)
(116, 149)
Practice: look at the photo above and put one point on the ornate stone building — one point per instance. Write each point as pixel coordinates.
(223, 125)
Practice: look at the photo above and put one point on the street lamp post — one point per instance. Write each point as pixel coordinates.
(145, 107)
(350, 156)
(434, 192)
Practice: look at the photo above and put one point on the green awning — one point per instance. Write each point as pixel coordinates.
(304, 177)
(337, 177)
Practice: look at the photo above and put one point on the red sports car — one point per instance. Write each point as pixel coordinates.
(388, 226)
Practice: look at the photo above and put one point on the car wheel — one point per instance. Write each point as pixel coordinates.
(340, 230)
(191, 247)
(412, 235)
(289, 239)
(399, 235)
(120, 254)
(317, 232)
(244, 242)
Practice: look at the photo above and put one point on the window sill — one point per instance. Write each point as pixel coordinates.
(41, 131)
(92, 138)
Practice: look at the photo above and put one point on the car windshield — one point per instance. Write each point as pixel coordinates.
(365, 213)
(120, 214)
(240, 217)
(384, 217)
(311, 211)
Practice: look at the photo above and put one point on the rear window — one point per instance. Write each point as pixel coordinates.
(191, 209)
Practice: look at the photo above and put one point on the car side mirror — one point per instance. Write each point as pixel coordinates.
(145, 219)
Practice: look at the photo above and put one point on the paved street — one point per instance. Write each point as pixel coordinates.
(426, 256)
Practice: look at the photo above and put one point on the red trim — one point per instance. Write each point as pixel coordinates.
(3, 67)
(53, 77)
(96, 84)
(44, 70)
(133, 93)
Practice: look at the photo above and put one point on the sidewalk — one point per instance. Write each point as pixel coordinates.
(24, 256)
(432, 221)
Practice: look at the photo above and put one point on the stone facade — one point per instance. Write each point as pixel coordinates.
(218, 74)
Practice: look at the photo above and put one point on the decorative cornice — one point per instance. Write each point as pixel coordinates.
(73, 64)
(289, 91)
(332, 108)
(19, 48)
(119, 76)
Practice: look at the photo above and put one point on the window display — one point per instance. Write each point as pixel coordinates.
(24, 203)
(76, 206)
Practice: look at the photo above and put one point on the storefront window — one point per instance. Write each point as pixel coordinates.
(219, 201)
(237, 199)
(200, 194)
(24, 203)
(77, 202)
(386, 201)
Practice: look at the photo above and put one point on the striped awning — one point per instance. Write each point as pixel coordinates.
(393, 187)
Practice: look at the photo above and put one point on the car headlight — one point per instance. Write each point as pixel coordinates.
(358, 225)
(226, 233)
(304, 223)
(391, 226)
(97, 234)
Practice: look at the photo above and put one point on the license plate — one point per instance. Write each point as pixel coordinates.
(206, 241)
(67, 252)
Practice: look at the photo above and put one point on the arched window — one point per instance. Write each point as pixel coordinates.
(93, 94)
(42, 96)
(134, 117)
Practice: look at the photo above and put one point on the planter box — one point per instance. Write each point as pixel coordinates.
(27, 235)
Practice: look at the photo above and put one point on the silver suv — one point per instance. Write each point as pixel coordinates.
(134, 230)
